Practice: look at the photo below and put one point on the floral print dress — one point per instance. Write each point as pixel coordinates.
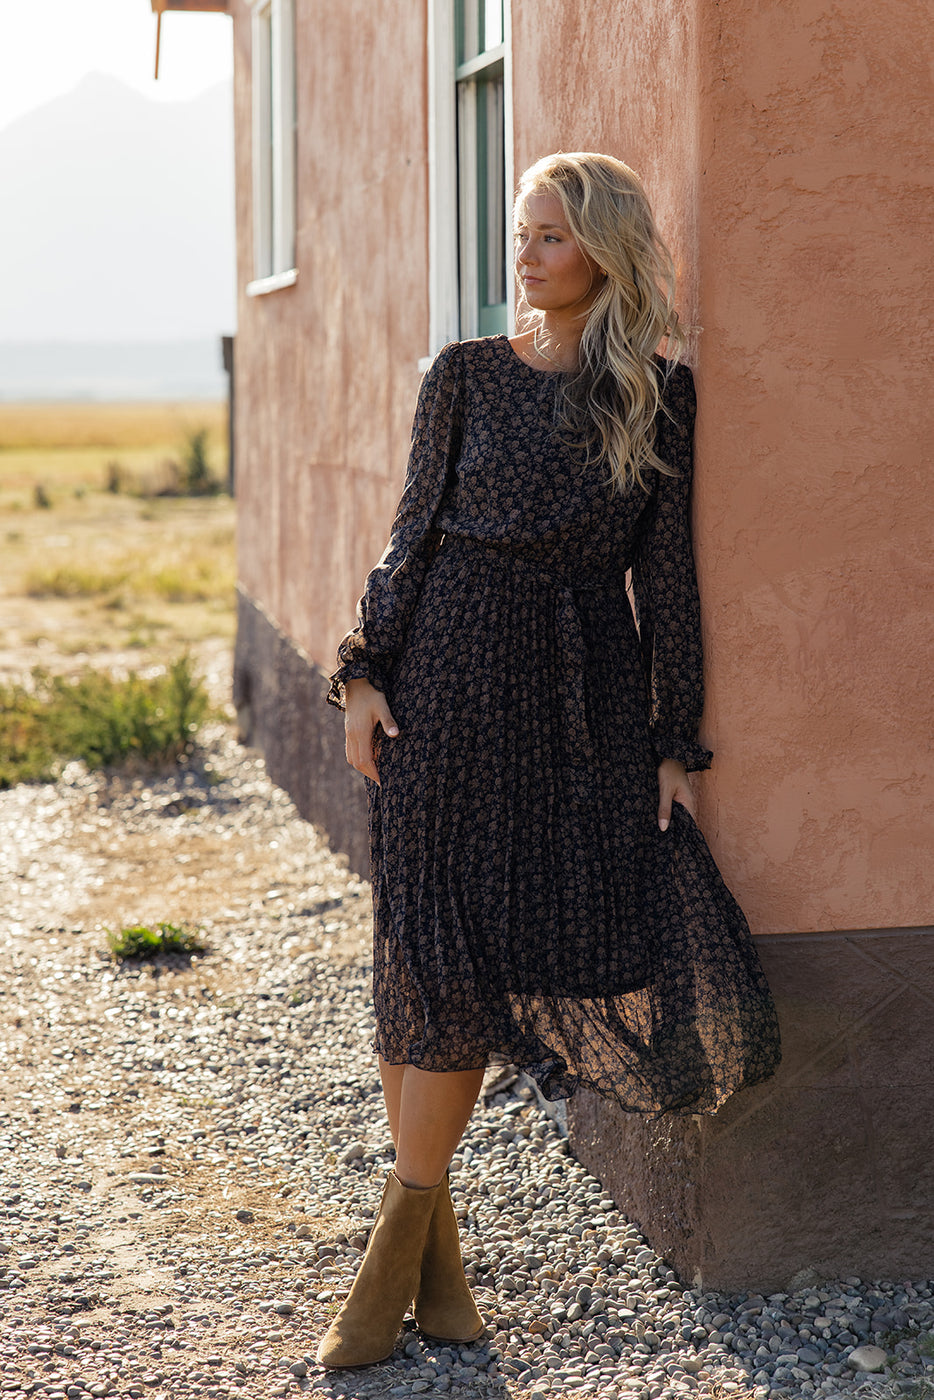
(528, 909)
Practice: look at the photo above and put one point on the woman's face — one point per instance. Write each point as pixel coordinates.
(553, 271)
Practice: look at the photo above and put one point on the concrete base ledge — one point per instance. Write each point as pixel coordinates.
(825, 1172)
(280, 694)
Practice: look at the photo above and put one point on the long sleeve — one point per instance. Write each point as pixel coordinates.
(393, 586)
(665, 588)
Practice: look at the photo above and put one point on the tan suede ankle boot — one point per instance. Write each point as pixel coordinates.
(444, 1307)
(367, 1325)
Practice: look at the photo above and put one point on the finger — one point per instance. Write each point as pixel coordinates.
(386, 720)
(664, 809)
(360, 755)
(686, 798)
(367, 766)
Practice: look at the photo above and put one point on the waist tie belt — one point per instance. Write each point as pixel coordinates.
(569, 632)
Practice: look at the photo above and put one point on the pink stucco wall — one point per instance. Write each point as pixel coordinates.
(816, 512)
(783, 147)
(783, 143)
(327, 370)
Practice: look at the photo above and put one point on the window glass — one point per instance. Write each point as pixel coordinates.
(492, 23)
(479, 27)
(492, 212)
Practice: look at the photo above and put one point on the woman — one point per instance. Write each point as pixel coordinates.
(542, 896)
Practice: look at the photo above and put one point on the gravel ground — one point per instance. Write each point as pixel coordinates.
(191, 1151)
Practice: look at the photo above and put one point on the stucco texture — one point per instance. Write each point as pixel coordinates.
(785, 148)
(327, 369)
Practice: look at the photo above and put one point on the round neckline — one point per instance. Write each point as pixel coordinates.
(525, 364)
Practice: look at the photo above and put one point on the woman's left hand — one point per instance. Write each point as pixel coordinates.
(674, 785)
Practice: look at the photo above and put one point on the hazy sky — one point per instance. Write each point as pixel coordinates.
(47, 46)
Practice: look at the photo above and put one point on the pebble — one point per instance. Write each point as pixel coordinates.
(867, 1358)
(249, 1077)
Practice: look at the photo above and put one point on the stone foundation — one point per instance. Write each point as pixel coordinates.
(825, 1172)
(280, 694)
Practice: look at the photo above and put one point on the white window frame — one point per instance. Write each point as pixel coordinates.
(274, 138)
(448, 319)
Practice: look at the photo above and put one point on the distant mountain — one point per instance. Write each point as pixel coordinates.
(117, 217)
(185, 369)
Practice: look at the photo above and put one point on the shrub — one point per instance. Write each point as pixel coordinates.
(145, 941)
(197, 479)
(98, 719)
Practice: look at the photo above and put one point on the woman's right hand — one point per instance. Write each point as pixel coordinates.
(364, 708)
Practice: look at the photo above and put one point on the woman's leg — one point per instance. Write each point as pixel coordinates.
(392, 1077)
(427, 1116)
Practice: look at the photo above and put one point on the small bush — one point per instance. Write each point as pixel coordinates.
(197, 478)
(40, 497)
(145, 941)
(98, 719)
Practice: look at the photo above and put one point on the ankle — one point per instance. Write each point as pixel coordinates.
(411, 1184)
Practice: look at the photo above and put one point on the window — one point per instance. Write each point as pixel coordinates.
(481, 165)
(274, 139)
(470, 169)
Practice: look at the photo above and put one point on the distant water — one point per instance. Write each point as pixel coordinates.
(105, 373)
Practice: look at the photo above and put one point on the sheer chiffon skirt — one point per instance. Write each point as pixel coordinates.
(527, 908)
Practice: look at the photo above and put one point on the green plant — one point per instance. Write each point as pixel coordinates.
(197, 479)
(148, 941)
(40, 497)
(98, 719)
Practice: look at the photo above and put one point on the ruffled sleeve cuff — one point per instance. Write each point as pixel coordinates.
(355, 664)
(693, 755)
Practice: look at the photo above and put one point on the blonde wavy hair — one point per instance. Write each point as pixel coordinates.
(608, 409)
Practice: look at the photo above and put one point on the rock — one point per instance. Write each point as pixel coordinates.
(574, 1298)
(867, 1358)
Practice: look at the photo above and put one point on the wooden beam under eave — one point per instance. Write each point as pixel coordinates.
(218, 7)
(214, 7)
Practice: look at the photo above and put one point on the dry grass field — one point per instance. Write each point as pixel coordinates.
(97, 563)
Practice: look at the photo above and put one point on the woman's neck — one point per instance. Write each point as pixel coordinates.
(556, 340)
